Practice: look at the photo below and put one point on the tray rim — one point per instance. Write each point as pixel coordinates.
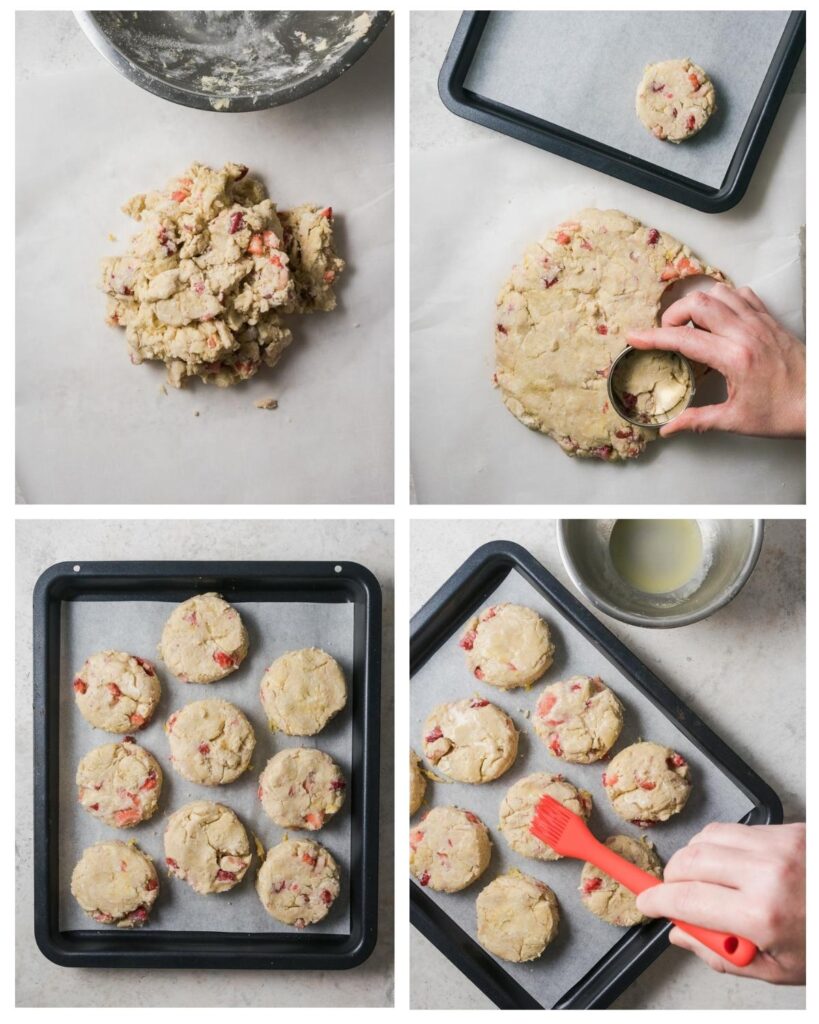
(599, 157)
(465, 590)
(94, 947)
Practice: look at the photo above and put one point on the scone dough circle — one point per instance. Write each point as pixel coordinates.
(675, 99)
(207, 846)
(119, 783)
(203, 640)
(115, 883)
(418, 783)
(508, 645)
(470, 740)
(302, 691)
(298, 882)
(564, 315)
(116, 691)
(609, 900)
(647, 783)
(518, 809)
(579, 719)
(301, 787)
(518, 916)
(211, 742)
(449, 849)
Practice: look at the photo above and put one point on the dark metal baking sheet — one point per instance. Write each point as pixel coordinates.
(503, 565)
(565, 81)
(58, 597)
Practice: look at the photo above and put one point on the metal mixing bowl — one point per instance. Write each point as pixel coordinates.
(730, 551)
(232, 60)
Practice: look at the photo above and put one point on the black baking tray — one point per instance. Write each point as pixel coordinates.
(431, 627)
(320, 582)
(584, 150)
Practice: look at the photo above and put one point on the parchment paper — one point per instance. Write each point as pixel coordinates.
(582, 939)
(476, 205)
(136, 626)
(581, 69)
(93, 428)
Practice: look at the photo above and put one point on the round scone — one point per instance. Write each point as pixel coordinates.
(211, 742)
(115, 883)
(207, 846)
(301, 787)
(579, 719)
(418, 783)
(203, 640)
(302, 691)
(609, 900)
(518, 810)
(298, 882)
(470, 740)
(675, 99)
(117, 692)
(647, 783)
(119, 783)
(449, 849)
(518, 917)
(563, 316)
(508, 645)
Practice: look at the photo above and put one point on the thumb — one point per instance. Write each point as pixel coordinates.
(701, 419)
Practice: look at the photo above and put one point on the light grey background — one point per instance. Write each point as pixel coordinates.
(93, 428)
(723, 668)
(39, 545)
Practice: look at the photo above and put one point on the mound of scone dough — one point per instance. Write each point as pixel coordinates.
(564, 315)
(203, 284)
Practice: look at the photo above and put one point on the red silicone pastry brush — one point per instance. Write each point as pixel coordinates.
(567, 833)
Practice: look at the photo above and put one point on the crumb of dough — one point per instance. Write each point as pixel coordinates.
(195, 412)
(162, 389)
(267, 403)
(111, 238)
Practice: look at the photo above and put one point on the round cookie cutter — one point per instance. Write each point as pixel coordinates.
(624, 411)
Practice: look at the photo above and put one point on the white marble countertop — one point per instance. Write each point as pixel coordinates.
(723, 668)
(40, 544)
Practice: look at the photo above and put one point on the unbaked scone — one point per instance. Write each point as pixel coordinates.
(518, 809)
(418, 783)
(117, 692)
(207, 846)
(449, 849)
(508, 645)
(211, 742)
(203, 640)
(470, 740)
(301, 787)
(302, 691)
(115, 883)
(579, 719)
(675, 99)
(518, 916)
(563, 316)
(647, 783)
(609, 900)
(119, 783)
(298, 882)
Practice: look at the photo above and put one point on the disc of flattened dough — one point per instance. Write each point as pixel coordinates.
(579, 719)
(207, 846)
(675, 99)
(470, 740)
(449, 849)
(302, 691)
(564, 315)
(298, 882)
(115, 883)
(607, 899)
(518, 809)
(508, 646)
(647, 783)
(211, 742)
(119, 783)
(203, 640)
(301, 787)
(518, 916)
(116, 691)
(418, 783)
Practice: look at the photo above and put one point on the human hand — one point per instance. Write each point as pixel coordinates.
(762, 363)
(748, 880)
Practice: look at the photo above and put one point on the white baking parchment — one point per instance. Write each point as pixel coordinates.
(478, 200)
(582, 939)
(93, 428)
(136, 626)
(581, 69)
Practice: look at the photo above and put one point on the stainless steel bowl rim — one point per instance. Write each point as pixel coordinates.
(618, 406)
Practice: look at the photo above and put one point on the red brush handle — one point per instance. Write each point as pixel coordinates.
(734, 948)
